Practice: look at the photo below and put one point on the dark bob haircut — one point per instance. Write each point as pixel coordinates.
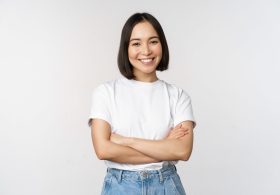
(125, 67)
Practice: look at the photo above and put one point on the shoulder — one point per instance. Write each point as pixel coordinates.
(175, 90)
(106, 86)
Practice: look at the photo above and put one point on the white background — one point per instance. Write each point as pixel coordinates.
(53, 53)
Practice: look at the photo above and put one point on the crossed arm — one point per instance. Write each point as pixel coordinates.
(176, 146)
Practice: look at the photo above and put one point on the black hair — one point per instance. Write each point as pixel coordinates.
(124, 65)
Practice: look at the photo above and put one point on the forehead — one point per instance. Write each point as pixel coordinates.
(143, 30)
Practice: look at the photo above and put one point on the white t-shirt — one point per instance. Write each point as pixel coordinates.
(142, 110)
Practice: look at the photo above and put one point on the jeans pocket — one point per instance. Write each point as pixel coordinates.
(106, 184)
(176, 185)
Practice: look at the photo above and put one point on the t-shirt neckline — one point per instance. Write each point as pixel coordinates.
(141, 83)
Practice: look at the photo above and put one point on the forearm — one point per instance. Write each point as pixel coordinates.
(176, 146)
(123, 154)
(107, 150)
(167, 149)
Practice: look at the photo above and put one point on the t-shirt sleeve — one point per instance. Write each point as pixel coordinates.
(183, 108)
(100, 105)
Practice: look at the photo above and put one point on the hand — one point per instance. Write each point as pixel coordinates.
(177, 132)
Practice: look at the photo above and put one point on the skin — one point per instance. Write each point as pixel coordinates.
(145, 53)
(103, 139)
(176, 147)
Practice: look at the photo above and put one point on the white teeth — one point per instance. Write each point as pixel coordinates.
(146, 60)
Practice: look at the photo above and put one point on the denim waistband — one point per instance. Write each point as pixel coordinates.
(162, 173)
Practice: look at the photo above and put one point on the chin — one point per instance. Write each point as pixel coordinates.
(148, 71)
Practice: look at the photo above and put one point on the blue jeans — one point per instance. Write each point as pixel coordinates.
(165, 181)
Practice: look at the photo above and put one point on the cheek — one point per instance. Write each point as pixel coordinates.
(158, 50)
(131, 53)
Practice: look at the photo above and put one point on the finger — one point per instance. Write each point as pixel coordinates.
(179, 130)
(179, 133)
(184, 129)
(183, 134)
(178, 126)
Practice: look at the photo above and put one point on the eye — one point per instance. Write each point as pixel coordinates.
(154, 42)
(135, 44)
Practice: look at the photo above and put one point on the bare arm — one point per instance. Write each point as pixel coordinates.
(107, 150)
(166, 149)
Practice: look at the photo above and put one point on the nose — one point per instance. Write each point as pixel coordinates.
(146, 49)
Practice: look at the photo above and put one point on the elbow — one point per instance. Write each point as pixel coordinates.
(185, 152)
(102, 153)
(185, 155)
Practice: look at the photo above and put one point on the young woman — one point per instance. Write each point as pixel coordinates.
(141, 125)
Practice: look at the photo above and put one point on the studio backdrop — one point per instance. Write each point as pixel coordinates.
(224, 53)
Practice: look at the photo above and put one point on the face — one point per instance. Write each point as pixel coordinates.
(144, 50)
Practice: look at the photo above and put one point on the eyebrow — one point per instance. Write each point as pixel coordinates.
(137, 39)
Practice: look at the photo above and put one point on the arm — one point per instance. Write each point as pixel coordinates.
(166, 149)
(107, 150)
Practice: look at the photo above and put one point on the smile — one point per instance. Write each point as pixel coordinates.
(146, 60)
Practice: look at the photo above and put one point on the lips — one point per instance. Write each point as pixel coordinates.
(146, 60)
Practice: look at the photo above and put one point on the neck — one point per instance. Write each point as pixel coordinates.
(146, 78)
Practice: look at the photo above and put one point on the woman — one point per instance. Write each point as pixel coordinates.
(141, 125)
